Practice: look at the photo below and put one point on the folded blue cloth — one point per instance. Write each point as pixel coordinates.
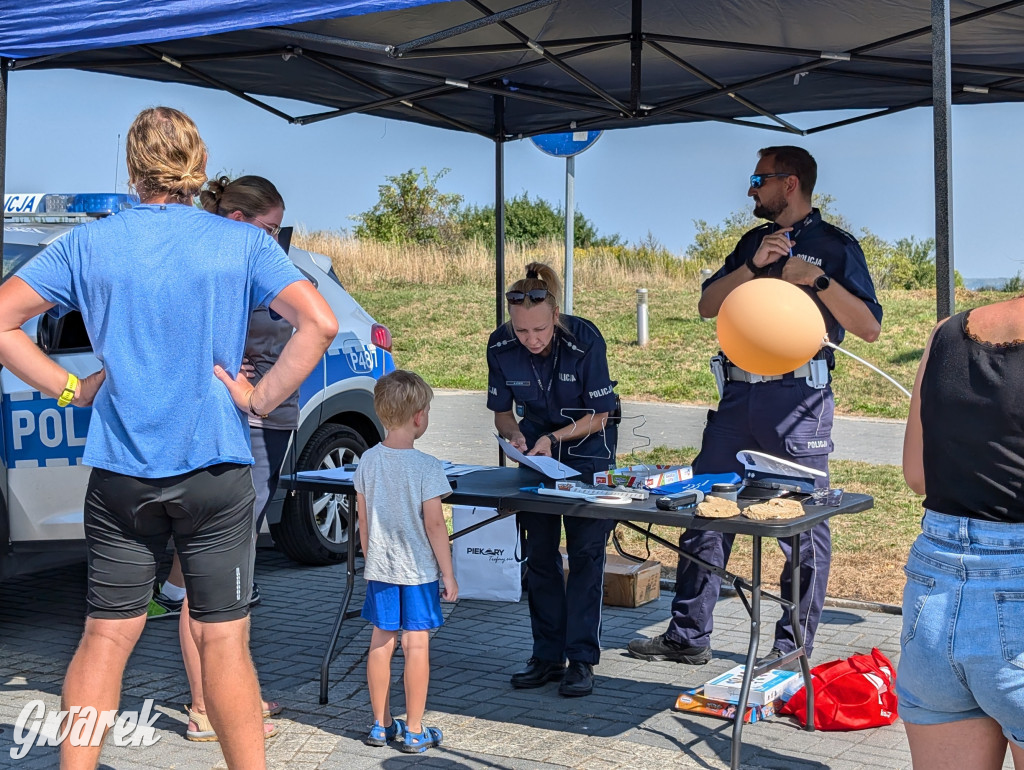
(702, 482)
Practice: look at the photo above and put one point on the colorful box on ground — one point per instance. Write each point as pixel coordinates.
(627, 583)
(769, 686)
(644, 475)
(696, 702)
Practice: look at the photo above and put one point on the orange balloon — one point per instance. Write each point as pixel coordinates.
(769, 326)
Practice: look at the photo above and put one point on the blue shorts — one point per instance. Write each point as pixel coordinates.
(963, 625)
(411, 608)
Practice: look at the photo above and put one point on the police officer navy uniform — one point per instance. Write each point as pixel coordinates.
(550, 390)
(787, 416)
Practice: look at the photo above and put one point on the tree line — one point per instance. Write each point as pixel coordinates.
(412, 209)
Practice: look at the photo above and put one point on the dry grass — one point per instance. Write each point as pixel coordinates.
(368, 264)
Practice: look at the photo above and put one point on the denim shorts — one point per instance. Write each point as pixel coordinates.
(411, 608)
(963, 624)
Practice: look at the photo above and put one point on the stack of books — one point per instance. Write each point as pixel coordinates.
(720, 696)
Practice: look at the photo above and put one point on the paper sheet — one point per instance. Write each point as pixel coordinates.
(328, 474)
(454, 469)
(549, 466)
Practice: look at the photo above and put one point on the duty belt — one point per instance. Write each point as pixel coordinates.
(735, 374)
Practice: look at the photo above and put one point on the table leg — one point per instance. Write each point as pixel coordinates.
(755, 638)
(350, 581)
(798, 632)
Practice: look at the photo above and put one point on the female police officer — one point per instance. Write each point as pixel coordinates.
(555, 369)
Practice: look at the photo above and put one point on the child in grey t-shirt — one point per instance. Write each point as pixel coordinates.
(405, 546)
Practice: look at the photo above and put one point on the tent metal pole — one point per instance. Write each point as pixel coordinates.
(679, 61)
(475, 83)
(555, 60)
(492, 17)
(473, 50)
(499, 210)
(3, 145)
(945, 296)
(69, 62)
(171, 61)
(1011, 94)
(869, 116)
(602, 124)
(636, 49)
(499, 220)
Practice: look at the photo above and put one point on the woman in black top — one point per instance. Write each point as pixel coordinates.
(961, 673)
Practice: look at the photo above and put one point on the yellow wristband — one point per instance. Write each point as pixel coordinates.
(69, 391)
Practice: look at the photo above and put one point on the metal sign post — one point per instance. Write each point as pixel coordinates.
(568, 146)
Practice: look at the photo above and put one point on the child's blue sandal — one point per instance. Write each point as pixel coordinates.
(417, 743)
(380, 735)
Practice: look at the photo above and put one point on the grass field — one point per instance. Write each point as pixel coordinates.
(869, 549)
(440, 308)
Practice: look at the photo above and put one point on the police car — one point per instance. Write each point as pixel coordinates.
(42, 479)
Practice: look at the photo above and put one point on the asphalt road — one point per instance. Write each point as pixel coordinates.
(461, 430)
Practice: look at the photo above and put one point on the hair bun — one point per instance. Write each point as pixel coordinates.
(532, 274)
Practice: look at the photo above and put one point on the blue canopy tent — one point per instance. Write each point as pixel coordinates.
(507, 68)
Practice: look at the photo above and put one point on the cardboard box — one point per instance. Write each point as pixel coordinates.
(627, 583)
(770, 686)
(644, 475)
(696, 702)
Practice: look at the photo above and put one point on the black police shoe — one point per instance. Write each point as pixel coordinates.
(578, 681)
(663, 648)
(777, 654)
(537, 672)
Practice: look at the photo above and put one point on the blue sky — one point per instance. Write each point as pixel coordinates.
(63, 129)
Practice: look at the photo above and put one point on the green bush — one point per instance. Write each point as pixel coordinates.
(529, 222)
(410, 209)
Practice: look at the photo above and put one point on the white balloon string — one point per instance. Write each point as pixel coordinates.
(870, 366)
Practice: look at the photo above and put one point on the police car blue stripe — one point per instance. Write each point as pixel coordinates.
(38, 431)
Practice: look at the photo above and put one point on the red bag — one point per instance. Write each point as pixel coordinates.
(851, 694)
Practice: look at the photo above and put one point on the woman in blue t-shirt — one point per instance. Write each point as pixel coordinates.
(551, 394)
(167, 440)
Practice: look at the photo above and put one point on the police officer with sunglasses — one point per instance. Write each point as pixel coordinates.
(788, 416)
(551, 394)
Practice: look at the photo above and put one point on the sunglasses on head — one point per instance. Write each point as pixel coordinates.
(518, 297)
(757, 180)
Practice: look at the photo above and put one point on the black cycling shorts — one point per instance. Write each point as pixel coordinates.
(209, 513)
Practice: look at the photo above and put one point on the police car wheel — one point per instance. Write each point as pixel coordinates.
(316, 531)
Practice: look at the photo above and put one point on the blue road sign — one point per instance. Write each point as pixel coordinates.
(565, 145)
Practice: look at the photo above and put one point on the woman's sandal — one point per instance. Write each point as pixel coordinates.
(273, 708)
(380, 735)
(204, 729)
(417, 743)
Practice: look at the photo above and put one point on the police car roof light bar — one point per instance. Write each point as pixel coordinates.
(64, 204)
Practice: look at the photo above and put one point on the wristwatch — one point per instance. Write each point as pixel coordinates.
(822, 282)
(554, 442)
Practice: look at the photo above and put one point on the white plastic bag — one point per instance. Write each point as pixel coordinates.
(485, 560)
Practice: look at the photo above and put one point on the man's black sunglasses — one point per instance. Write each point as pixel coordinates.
(756, 180)
(518, 297)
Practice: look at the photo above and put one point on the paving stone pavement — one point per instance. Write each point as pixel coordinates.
(627, 723)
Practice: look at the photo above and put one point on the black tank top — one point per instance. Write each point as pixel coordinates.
(972, 414)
